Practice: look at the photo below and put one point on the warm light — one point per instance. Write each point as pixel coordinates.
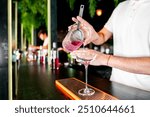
(98, 12)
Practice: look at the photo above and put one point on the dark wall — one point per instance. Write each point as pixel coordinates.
(65, 13)
(3, 50)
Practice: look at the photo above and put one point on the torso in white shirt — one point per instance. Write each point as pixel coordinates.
(130, 25)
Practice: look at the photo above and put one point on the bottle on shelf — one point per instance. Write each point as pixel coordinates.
(57, 60)
(42, 56)
(38, 56)
(53, 55)
(30, 54)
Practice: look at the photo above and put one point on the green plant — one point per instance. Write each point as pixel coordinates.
(33, 14)
(71, 4)
(116, 2)
(92, 5)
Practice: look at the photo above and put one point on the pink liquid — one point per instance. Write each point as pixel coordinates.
(74, 45)
(57, 63)
(41, 59)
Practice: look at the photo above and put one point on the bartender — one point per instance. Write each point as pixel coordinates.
(44, 37)
(130, 29)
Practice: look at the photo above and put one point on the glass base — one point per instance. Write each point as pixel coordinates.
(86, 92)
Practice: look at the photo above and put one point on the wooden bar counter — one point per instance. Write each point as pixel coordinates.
(40, 82)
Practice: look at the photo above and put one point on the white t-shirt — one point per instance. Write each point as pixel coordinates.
(45, 43)
(130, 25)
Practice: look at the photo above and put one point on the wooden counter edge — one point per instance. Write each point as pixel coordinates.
(66, 91)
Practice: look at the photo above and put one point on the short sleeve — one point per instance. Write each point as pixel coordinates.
(110, 23)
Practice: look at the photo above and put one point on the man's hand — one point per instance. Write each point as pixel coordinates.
(90, 34)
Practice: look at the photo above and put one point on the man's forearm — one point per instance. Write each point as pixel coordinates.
(102, 36)
(100, 39)
(140, 65)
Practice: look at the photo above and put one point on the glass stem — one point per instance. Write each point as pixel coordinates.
(86, 75)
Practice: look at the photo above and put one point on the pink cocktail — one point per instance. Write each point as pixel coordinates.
(72, 45)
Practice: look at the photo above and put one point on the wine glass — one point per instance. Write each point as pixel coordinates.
(85, 57)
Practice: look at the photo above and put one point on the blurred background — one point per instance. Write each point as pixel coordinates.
(21, 20)
(32, 16)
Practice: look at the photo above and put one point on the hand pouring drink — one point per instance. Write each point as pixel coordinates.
(74, 38)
